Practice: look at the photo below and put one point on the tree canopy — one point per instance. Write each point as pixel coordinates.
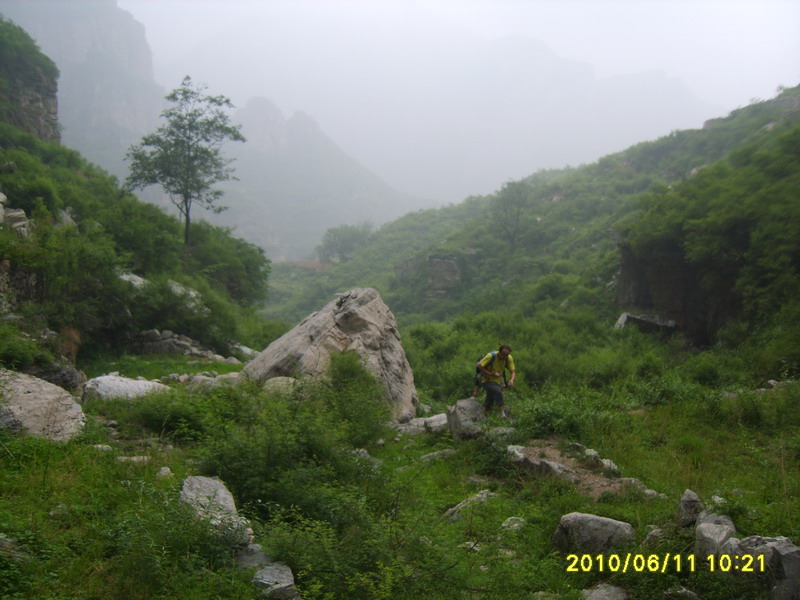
(184, 155)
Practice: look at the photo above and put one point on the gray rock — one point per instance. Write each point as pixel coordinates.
(108, 387)
(415, 426)
(609, 467)
(581, 532)
(540, 467)
(439, 454)
(436, 423)
(782, 560)
(463, 419)
(604, 591)
(276, 581)
(358, 320)
(65, 376)
(679, 592)
(35, 407)
(513, 523)
(481, 497)
(212, 501)
(710, 537)
(689, 508)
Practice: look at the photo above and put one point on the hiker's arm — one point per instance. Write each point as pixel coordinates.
(487, 371)
(487, 359)
(513, 377)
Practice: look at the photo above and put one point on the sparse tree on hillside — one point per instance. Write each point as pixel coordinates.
(509, 208)
(184, 155)
(341, 243)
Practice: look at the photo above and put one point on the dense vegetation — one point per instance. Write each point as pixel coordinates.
(86, 232)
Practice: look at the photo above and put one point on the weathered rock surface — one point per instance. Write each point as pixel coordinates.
(540, 466)
(108, 387)
(358, 320)
(463, 419)
(782, 561)
(33, 406)
(689, 508)
(452, 513)
(604, 591)
(211, 500)
(581, 532)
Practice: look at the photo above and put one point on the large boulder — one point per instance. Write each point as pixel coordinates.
(36, 407)
(358, 320)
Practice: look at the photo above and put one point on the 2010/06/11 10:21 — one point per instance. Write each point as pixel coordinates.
(658, 563)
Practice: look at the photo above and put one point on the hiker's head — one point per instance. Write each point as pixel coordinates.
(504, 350)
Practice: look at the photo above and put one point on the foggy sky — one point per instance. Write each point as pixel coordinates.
(727, 52)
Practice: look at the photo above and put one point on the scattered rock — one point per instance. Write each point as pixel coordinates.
(679, 592)
(604, 591)
(276, 580)
(211, 500)
(540, 467)
(689, 508)
(581, 532)
(646, 323)
(463, 419)
(481, 497)
(513, 523)
(109, 387)
(439, 454)
(36, 407)
(782, 561)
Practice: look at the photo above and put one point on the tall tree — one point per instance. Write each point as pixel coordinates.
(184, 155)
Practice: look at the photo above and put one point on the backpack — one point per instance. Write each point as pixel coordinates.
(479, 373)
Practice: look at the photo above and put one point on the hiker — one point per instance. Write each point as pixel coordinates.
(492, 368)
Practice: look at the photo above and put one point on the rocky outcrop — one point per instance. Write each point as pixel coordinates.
(107, 96)
(28, 94)
(154, 341)
(358, 320)
(36, 407)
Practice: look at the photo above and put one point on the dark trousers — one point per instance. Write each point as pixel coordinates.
(494, 394)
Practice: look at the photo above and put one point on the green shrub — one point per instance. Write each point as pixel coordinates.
(18, 351)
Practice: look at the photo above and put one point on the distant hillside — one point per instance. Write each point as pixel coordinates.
(107, 95)
(554, 238)
(449, 115)
(28, 83)
(294, 182)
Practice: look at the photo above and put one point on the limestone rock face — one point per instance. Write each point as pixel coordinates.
(358, 320)
(33, 406)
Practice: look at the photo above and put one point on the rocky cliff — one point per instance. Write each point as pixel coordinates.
(107, 95)
(28, 84)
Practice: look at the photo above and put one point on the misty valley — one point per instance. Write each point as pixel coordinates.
(236, 362)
